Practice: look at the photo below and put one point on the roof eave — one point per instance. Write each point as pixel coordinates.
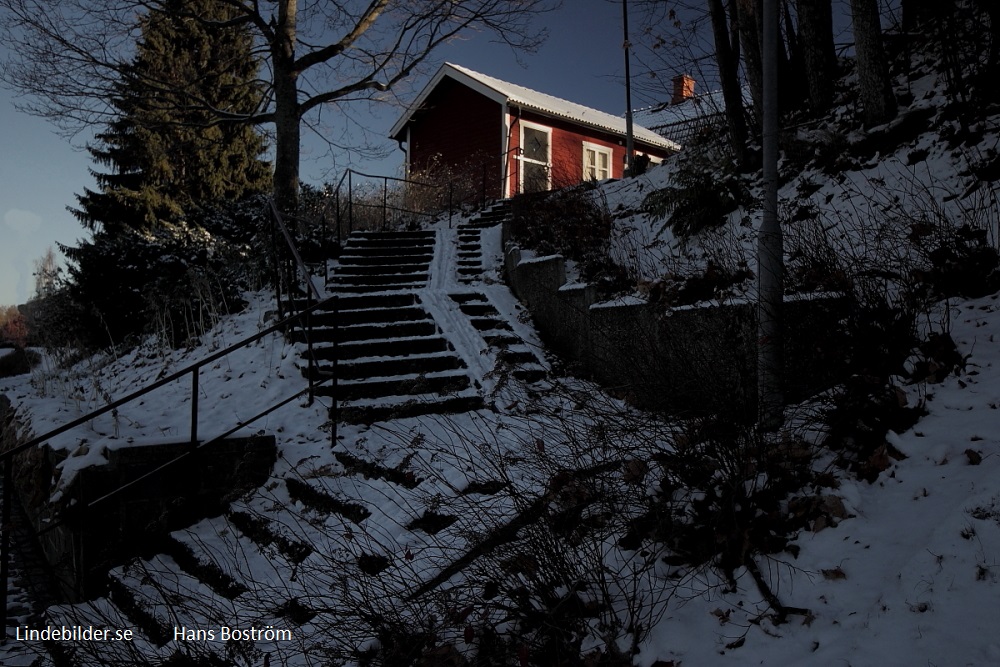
(664, 143)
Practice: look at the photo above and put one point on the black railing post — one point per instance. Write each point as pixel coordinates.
(482, 203)
(277, 266)
(324, 245)
(5, 521)
(451, 201)
(194, 406)
(350, 203)
(336, 204)
(309, 353)
(335, 408)
(385, 201)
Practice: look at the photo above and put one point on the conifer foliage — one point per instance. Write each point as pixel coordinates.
(168, 161)
(165, 155)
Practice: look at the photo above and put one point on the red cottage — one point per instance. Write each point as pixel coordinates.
(514, 139)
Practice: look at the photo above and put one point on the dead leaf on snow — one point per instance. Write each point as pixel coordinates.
(834, 573)
(723, 616)
(834, 506)
(975, 458)
(879, 459)
(901, 398)
(736, 644)
(635, 471)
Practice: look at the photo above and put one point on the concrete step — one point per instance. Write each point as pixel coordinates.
(401, 385)
(378, 278)
(366, 289)
(501, 339)
(363, 332)
(400, 475)
(386, 347)
(530, 375)
(366, 259)
(516, 356)
(424, 363)
(262, 533)
(369, 316)
(387, 247)
(468, 297)
(380, 269)
(478, 309)
(206, 571)
(392, 235)
(489, 324)
(141, 609)
(323, 500)
(405, 407)
(361, 302)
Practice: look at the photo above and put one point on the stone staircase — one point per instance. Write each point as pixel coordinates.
(512, 353)
(470, 251)
(329, 526)
(390, 357)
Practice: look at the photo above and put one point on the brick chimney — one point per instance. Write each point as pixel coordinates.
(683, 88)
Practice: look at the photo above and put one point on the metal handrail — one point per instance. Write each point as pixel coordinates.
(350, 173)
(7, 457)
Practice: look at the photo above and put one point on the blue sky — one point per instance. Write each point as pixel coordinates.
(41, 172)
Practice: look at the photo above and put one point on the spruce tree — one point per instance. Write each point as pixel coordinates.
(165, 163)
(165, 159)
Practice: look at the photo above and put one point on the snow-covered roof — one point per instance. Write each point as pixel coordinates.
(526, 98)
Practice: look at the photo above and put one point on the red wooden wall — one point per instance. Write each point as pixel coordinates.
(567, 149)
(461, 129)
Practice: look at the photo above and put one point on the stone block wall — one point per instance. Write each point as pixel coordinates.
(82, 543)
(692, 359)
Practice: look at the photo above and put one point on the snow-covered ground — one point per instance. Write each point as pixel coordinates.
(909, 576)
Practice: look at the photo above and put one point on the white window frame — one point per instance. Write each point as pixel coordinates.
(598, 149)
(547, 164)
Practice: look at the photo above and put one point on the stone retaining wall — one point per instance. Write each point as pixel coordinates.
(692, 359)
(85, 543)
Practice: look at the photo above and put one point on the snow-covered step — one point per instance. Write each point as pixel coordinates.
(362, 332)
(321, 499)
(383, 347)
(364, 289)
(369, 316)
(365, 259)
(386, 247)
(489, 324)
(399, 385)
(414, 363)
(401, 407)
(347, 278)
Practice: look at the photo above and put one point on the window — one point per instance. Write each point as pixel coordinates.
(536, 157)
(596, 162)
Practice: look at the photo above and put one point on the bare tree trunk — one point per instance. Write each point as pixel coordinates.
(286, 109)
(750, 25)
(992, 9)
(727, 58)
(770, 244)
(873, 72)
(818, 55)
